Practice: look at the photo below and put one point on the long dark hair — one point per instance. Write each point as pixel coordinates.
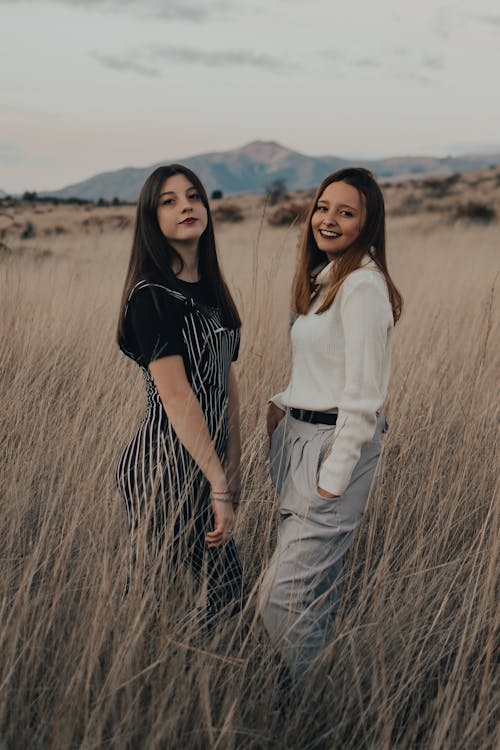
(370, 241)
(152, 257)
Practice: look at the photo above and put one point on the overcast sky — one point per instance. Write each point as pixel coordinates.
(94, 85)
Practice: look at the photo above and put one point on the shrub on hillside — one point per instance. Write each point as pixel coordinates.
(216, 195)
(106, 222)
(58, 230)
(119, 221)
(28, 231)
(230, 212)
(410, 204)
(288, 213)
(276, 192)
(73, 201)
(440, 186)
(5, 250)
(475, 211)
(93, 222)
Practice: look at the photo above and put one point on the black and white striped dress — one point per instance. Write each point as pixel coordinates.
(159, 481)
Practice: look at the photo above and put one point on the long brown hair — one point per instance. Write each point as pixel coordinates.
(152, 257)
(370, 241)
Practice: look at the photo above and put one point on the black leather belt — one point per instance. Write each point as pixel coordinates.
(314, 417)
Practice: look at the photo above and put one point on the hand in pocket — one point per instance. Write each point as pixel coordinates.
(325, 493)
(274, 415)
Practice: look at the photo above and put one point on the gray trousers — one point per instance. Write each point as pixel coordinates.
(301, 588)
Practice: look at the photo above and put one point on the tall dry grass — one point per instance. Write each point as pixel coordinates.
(412, 663)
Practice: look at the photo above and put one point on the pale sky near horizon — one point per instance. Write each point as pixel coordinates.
(94, 85)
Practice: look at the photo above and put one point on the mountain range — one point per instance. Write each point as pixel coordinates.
(253, 167)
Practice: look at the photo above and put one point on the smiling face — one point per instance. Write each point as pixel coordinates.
(338, 218)
(182, 216)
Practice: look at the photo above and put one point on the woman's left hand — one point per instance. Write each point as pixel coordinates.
(326, 494)
(224, 518)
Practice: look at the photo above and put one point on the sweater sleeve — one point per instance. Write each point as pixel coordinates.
(277, 400)
(366, 318)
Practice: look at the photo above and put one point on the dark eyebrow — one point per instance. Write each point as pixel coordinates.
(342, 205)
(172, 192)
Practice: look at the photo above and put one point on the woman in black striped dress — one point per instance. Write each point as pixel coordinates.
(179, 474)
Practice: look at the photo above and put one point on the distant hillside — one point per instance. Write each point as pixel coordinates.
(251, 168)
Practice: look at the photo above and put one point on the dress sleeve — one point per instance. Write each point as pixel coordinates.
(155, 321)
(366, 320)
(236, 349)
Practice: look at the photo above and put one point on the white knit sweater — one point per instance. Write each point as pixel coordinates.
(341, 361)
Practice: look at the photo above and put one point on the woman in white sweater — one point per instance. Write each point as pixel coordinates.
(325, 428)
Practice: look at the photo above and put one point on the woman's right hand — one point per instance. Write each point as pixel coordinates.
(274, 414)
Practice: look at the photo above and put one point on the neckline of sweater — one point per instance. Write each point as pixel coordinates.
(323, 276)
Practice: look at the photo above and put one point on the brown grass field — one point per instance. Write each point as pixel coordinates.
(413, 661)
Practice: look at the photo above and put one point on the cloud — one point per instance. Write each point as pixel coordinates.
(147, 61)
(445, 20)
(416, 76)
(217, 58)
(366, 62)
(125, 64)
(189, 10)
(333, 54)
(432, 62)
(422, 71)
(486, 18)
(400, 51)
(399, 64)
